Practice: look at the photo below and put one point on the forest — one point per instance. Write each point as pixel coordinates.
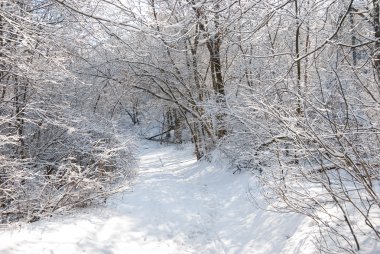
(287, 90)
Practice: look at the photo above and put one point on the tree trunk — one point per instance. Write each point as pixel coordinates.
(376, 26)
(177, 127)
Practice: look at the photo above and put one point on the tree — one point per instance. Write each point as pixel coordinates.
(53, 157)
(314, 118)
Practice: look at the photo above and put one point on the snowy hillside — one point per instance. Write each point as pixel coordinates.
(177, 205)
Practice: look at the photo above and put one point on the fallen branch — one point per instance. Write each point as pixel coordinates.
(162, 133)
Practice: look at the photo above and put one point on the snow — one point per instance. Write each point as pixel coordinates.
(176, 205)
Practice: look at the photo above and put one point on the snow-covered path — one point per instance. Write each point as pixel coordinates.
(176, 205)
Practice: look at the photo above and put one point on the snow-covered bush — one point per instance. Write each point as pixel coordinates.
(322, 162)
(65, 168)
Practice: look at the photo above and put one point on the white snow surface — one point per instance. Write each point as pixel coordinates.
(176, 205)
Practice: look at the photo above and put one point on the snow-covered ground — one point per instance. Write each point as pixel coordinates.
(176, 205)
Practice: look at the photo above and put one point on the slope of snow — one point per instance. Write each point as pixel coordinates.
(176, 205)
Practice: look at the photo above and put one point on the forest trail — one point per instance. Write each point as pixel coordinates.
(176, 205)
